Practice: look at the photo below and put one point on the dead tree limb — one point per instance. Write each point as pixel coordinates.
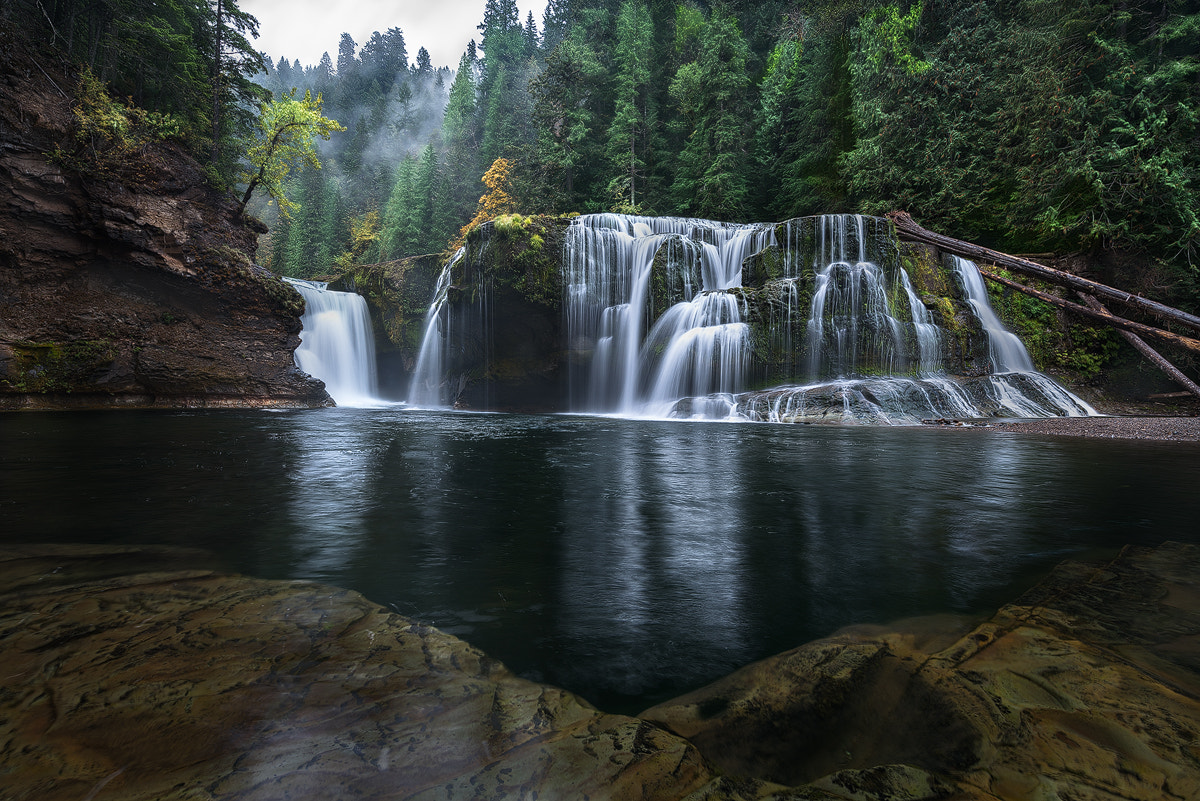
(1139, 344)
(908, 229)
(1111, 319)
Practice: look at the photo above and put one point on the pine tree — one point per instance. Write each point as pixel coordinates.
(564, 95)
(635, 118)
(460, 134)
(710, 93)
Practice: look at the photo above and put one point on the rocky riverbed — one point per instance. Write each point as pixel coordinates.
(132, 674)
(1165, 429)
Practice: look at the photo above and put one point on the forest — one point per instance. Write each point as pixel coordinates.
(1026, 125)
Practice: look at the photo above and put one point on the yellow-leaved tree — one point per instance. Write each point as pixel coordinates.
(283, 138)
(497, 201)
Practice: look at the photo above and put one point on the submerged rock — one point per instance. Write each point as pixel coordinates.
(131, 674)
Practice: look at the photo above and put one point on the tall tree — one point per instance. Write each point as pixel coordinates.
(564, 115)
(635, 117)
(234, 63)
(461, 137)
(710, 94)
(284, 140)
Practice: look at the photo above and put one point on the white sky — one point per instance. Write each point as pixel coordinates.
(304, 29)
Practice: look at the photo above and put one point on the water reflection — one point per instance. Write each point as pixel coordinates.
(626, 560)
(652, 581)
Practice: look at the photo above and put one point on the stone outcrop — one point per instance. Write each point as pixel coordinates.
(133, 674)
(182, 684)
(128, 285)
(1087, 687)
(504, 311)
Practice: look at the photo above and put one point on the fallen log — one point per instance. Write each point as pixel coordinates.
(908, 229)
(1150, 353)
(1111, 319)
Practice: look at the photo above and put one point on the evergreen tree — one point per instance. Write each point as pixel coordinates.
(460, 134)
(347, 59)
(564, 116)
(805, 123)
(423, 66)
(556, 23)
(635, 118)
(710, 94)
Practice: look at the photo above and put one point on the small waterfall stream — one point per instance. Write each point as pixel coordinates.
(425, 391)
(337, 344)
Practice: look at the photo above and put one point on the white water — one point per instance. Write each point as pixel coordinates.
(655, 326)
(873, 350)
(1007, 352)
(425, 391)
(697, 345)
(337, 344)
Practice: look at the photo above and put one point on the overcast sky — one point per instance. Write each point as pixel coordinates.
(304, 29)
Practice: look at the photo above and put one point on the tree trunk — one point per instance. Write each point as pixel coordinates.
(1150, 353)
(908, 229)
(1104, 317)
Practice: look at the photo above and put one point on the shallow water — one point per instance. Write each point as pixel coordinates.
(627, 560)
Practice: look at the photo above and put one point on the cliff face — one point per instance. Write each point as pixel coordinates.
(504, 310)
(131, 285)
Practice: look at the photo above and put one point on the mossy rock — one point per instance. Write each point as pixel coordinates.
(44, 367)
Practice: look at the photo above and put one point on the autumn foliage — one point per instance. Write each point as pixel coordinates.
(497, 200)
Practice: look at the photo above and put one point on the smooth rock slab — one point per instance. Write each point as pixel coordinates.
(1088, 687)
(129, 674)
(187, 685)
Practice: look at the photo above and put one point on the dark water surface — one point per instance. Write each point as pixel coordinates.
(626, 560)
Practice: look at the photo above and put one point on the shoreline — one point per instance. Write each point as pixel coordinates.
(1147, 428)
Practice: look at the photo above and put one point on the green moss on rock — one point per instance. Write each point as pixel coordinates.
(59, 367)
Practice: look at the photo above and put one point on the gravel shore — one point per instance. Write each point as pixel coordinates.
(1164, 429)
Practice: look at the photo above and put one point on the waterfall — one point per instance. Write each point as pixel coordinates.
(647, 302)
(337, 343)
(428, 379)
(814, 319)
(1007, 352)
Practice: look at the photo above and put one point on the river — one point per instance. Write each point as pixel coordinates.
(626, 560)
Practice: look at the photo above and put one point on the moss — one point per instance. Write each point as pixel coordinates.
(768, 265)
(513, 252)
(280, 291)
(44, 367)
(512, 226)
(925, 270)
(1055, 341)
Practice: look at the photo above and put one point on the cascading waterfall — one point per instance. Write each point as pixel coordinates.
(1007, 352)
(626, 276)
(337, 343)
(661, 321)
(649, 300)
(1009, 355)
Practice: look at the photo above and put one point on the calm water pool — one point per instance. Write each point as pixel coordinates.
(626, 560)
